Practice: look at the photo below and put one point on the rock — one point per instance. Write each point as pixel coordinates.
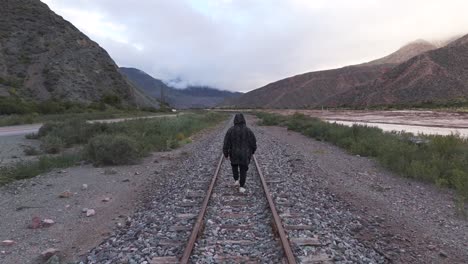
(53, 260)
(84, 210)
(107, 199)
(66, 194)
(110, 171)
(47, 222)
(84, 187)
(90, 212)
(7, 243)
(443, 254)
(126, 180)
(47, 254)
(431, 247)
(35, 223)
(137, 173)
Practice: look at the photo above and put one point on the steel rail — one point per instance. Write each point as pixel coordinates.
(199, 223)
(277, 220)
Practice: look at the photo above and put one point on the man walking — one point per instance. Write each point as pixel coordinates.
(239, 146)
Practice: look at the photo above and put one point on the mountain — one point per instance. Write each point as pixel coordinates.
(412, 74)
(405, 53)
(307, 90)
(191, 97)
(43, 56)
(436, 76)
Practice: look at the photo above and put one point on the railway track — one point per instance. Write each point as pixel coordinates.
(234, 227)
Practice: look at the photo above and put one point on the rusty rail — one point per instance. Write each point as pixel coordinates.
(198, 224)
(279, 226)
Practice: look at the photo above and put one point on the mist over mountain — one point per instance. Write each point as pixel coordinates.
(190, 97)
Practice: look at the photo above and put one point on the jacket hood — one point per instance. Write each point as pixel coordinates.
(239, 119)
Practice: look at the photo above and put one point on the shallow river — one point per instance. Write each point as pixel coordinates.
(408, 128)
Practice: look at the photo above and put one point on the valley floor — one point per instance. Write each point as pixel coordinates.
(403, 220)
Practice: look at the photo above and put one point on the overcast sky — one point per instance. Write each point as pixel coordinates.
(244, 44)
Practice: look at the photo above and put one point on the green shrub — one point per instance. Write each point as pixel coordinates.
(29, 169)
(52, 144)
(443, 160)
(112, 100)
(32, 136)
(112, 150)
(30, 151)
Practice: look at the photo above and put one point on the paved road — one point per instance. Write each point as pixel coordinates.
(33, 128)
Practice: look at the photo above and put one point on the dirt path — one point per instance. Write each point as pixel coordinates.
(416, 222)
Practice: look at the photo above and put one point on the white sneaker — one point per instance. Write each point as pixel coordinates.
(242, 189)
(236, 183)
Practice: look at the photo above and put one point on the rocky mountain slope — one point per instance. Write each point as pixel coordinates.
(191, 97)
(42, 56)
(418, 72)
(435, 76)
(406, 52)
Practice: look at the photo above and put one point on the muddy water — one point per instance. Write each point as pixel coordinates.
(417, 122)
(428, 130)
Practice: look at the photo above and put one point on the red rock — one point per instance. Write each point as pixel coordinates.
(35, 223)
(66, 194)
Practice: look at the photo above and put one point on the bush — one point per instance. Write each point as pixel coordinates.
(30, 151)
(112, 100)
(73, 131)
(443, 160)
(32, 136)
(52, 144)
(29, 169)
(112, 150)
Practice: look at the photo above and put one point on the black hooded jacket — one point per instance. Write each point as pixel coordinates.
(239, 143)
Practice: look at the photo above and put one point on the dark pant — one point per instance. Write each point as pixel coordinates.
(243, 173)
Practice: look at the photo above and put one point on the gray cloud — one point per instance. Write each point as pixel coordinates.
(244, 44)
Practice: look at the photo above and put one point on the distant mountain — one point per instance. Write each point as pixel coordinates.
(417, 72)
(191, 97)
(206, 91)
(43, 56)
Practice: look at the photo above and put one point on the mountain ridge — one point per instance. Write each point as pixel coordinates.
(191, 97)
(372, 83)
(43, 56)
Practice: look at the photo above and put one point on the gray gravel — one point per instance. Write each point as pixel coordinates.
(154, 231)
(232, 231)
(297, 193)
(163, 227)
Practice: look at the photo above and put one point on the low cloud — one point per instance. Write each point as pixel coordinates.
(244, 44)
